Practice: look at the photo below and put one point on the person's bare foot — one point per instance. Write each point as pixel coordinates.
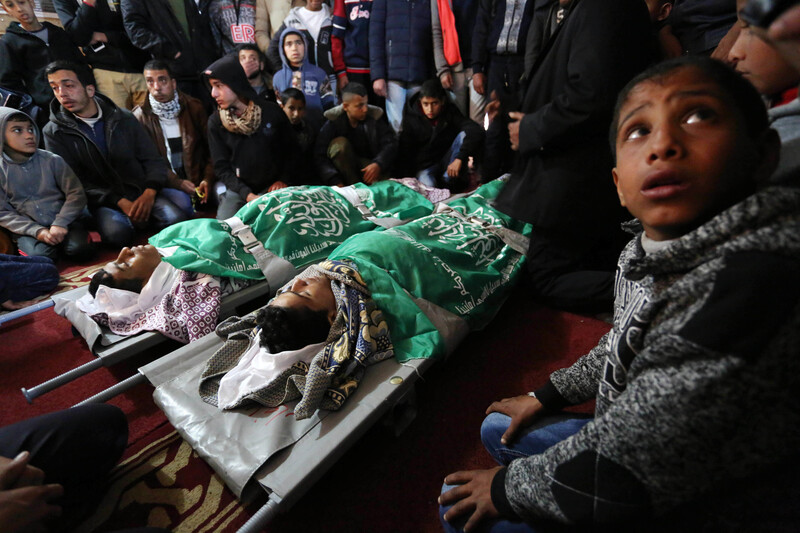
(8, 305)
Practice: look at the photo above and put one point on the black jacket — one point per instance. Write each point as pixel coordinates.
(562, 182)
(153, 26)
(23, 58)
(250, 164)
(81, 20)
(382, 141)
(423, 144)
(131, 165)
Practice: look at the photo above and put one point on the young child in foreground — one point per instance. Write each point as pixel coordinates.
(695, 426)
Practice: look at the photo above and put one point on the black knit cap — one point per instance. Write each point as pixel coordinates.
(229, 71)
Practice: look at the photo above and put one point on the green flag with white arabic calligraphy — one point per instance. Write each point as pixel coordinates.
(301, 225)
(456, 261)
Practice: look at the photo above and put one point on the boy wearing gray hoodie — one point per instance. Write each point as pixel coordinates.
(42, 203)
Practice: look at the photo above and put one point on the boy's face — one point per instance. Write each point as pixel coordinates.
(682, 154)
(250, 62)
(760, 62)
(161, 86)
(69, 91)
(659, 10)
(295, 109)
(295, 49)
(20, 139)
(222, 94)
(22, 10)
(136, 263)
(356, 107)
(431, 107)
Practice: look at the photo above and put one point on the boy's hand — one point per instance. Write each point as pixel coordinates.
(252, 196)
(202, 191)
(479, 82)
(379, 88)
(277, 185)
(187, 187)
(58, 233)
(523, 410)
(513, 128)
(473, 495)
(142, 206)
(371, 173)
(454, 168)
(43, 235)
(343, 81)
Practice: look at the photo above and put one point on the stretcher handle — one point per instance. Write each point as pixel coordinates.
(66, 377)
(114, 390)
(25, 311)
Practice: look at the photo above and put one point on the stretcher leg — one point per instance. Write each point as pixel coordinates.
(25, 311)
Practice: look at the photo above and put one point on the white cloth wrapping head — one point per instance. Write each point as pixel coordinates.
(122, 305)
(256, 368)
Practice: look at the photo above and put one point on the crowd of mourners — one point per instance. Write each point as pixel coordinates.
(132, 115)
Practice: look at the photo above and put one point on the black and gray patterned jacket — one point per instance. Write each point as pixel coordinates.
(696, 422)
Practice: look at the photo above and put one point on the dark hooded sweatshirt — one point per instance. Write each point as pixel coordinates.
(249, 163)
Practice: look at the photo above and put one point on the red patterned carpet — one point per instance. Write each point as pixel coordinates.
(383, 483)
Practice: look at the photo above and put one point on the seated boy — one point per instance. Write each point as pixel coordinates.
(353, 145)
(27, 47)
(249, 138)
(695, 425)
(41, 200)
(299, 73)
(293, 103)
(437, 140)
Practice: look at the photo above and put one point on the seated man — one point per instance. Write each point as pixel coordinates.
(437, 140)
(299, 73)
(196, 262)
(42, 201)
(119, 167)
(249, 137)
(177, 124)
(366, 303)
(353, 145)
(254, 65)
(701, 362)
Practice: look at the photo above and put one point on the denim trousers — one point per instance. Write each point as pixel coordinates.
(534, 440)
(396, 95)
(436, 176)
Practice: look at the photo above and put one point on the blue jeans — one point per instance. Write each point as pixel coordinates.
(116, 229)
(75, 245)
(396, 94)
(539, 437)
(436, 175)
(24, 278)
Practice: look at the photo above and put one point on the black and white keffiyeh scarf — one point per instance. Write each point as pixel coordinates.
(168, 110)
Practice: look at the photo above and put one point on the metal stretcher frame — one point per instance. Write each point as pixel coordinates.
(122, 348)
(291, 472)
